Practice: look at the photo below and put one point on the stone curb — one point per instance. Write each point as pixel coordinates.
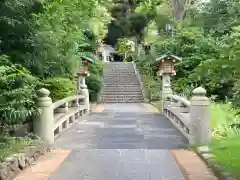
(205, 154)
(16, 163)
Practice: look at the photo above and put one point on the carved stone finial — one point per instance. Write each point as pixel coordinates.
(199, 91)
(43, 92)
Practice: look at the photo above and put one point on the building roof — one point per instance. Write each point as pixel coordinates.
(108, 47)
(90, 59)
(165, 56)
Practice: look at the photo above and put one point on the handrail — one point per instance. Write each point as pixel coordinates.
(182, 101)
(177, 111)
(65, 100)
(185, 102)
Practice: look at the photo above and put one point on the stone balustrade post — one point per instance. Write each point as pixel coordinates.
(43, 124)
(84, 91)
(200, 131)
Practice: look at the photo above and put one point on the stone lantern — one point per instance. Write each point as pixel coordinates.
(83, 72)
(166, 69)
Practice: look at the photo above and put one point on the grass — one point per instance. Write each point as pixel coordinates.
(226, 140)
(227, 154)
(12, 145)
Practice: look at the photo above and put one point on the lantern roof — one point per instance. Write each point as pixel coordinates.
(89, 59)
(168, 56)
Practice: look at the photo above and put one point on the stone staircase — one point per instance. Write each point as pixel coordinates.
(121, 84)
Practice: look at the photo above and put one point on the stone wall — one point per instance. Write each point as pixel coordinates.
(20, 161)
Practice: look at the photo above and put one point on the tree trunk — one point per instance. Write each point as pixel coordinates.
(179, 9)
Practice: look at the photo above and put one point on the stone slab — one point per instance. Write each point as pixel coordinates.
(118, 164)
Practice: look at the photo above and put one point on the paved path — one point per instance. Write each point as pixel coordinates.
(124, 142)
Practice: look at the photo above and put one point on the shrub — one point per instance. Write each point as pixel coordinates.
(17, 94)
(224, 120)
(94, 86)
(60, 87)
(94, 80)
(96, 68)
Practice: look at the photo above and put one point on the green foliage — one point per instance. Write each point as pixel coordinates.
(123, 46)
(93, 81)
(17, 93)
(145, 64)
(130, 19)
(46, 38)
(96, 68)
(60, 87)
(224, 120)
(94, 86)
(15, 23)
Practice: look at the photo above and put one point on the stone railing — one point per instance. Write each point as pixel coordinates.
(56, 117)
(191, 118)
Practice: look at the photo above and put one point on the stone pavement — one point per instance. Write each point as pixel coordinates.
(124, 142)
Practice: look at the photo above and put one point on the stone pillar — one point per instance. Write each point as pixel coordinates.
(81, 82)
(200, 130)
(85, 93)
(43, 124)
(83, 90)
(166, 86)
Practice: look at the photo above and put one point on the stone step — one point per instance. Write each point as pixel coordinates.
(114, 102)
(119, 75)
(117, 89)
(119, 70)
(122, 101)
(107, 91)
(139, 93)
(120, 84)
(122, 96)
(123, 88)
(115, 69)
(126, 81)
(138, 90)
(117, 83)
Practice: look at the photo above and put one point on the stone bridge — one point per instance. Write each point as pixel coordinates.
(125, 140)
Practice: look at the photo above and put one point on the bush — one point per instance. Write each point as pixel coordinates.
(224, 120)
(60, 87)
(94, 80)
(94, 86)
(17, 94)
(96, 68)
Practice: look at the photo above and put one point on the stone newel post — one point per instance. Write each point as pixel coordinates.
(43, 124)
(200, 131)
(83, 90)
(166, 86)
